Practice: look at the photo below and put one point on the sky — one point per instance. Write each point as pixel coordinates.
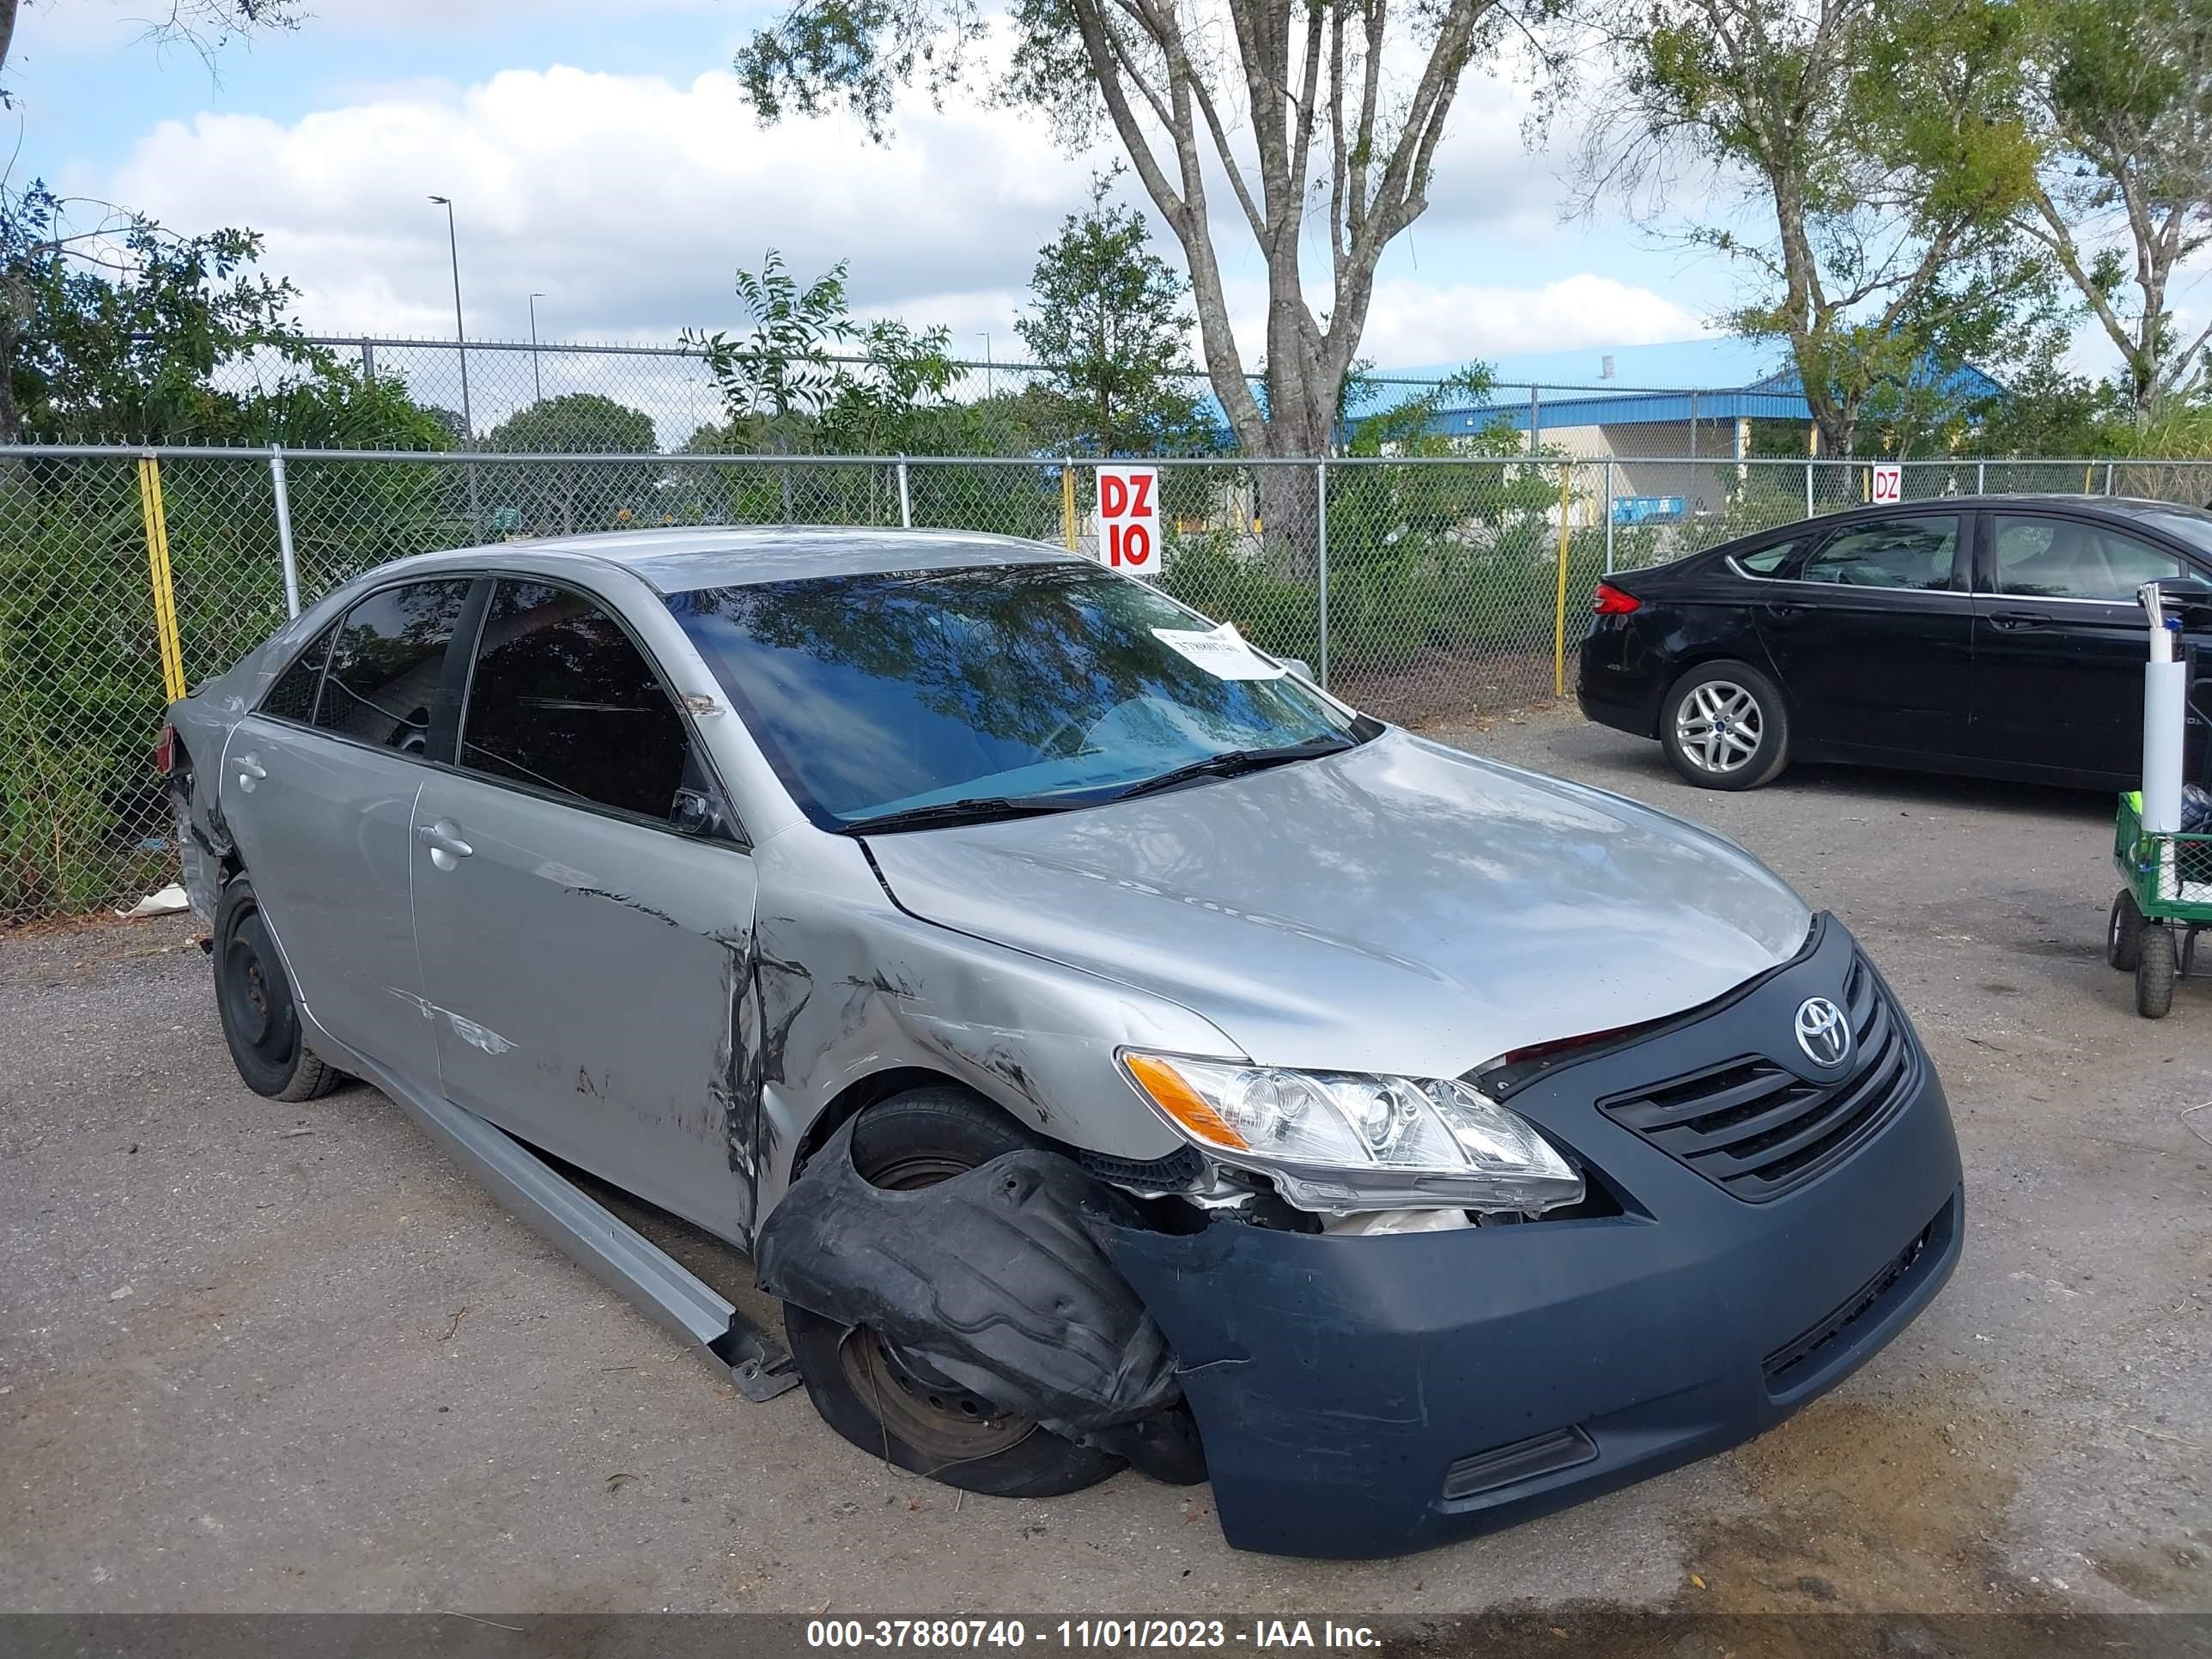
(603, 157)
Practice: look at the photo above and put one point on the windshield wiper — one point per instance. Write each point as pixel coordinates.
(1234, 764)
(974, 809)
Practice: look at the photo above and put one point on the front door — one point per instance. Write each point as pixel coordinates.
(585, 915)
(330, 765)
(1872, 634)
(2060, 642)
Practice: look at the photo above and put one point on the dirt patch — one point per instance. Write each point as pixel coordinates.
(1868, 1506)
(2166, 1575)
(1440, 688)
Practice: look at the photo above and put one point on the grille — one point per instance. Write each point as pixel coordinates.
(1758, 1129)
(1784, 1364)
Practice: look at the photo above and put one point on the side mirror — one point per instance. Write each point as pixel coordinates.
(694, 813)
(2189, 597)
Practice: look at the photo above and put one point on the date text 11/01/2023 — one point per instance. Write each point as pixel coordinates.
(1257, 1635)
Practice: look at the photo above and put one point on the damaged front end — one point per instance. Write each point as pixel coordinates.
(996, 1284)
(1367, 1382)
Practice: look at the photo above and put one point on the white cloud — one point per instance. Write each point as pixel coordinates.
(1413, 322)
(628, 201)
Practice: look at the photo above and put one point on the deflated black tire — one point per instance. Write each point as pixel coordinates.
(894, 1406)
(253, 999)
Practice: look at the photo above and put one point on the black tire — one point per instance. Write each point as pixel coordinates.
(879, 1402)
(253, 999)
(2124, 932)
(2155, 973)
(1708, 714)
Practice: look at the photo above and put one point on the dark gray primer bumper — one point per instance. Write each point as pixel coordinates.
(1363, 1397)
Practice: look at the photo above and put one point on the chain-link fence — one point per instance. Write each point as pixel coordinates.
(987, 408)
(1424, 590)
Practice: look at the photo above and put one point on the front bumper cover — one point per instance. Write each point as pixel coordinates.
(1367, 1396)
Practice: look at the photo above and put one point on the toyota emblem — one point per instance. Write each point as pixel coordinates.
(1823, 1032)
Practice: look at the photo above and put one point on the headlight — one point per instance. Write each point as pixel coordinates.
(1342, 1141)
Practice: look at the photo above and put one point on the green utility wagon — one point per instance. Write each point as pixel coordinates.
(2155, 918)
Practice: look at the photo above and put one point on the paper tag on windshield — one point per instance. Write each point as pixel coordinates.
(1221, 652)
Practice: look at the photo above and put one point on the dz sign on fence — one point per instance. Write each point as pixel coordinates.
(1129, 517)
(1888, 484)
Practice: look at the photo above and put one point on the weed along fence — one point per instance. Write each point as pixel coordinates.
(1421, 590)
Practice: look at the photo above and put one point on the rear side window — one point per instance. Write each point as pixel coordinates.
(293, 696)
(386, 663)
(1769, 560)
(1917, 552)
(562, 701)
(2066, 559)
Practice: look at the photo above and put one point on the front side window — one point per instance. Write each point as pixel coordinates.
(562, 701)
(900, 690)
(1919, 552)
(2068, 559)
(386, 663)
(292, 696)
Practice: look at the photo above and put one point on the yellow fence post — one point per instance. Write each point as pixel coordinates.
(1559, 611)
(157, 571)
(1067, 504)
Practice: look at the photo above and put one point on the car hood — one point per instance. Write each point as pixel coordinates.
(1400, 905)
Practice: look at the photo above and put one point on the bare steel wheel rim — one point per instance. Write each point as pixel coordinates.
(943, 1421)
(1719, 726)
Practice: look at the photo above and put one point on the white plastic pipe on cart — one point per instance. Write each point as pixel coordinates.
(2166, 713)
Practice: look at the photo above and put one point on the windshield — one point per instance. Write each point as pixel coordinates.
(878, 693)
(2191, 525)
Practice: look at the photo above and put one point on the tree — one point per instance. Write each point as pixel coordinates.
(205, 25)
(783, 385)
(114, 329)
(1885, 140)
(576, 424)
(1109, 327)
(2124, 91)
(1340, 106)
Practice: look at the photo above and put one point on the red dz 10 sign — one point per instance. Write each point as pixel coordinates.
(1130, 517)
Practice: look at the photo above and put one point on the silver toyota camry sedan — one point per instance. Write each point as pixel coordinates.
(1109, 1046)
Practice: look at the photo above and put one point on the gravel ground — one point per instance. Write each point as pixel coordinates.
(263, 1356)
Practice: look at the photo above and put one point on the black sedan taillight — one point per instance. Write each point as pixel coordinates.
(1611, 601)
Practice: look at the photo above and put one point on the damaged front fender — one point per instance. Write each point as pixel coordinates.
(999, 1278)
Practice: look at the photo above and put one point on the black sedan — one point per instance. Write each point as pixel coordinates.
(1996, 634)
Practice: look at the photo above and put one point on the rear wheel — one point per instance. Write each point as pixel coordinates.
(253, 999)
(2124, 932)
(1723, 726)
(2155, 973)
(894, 1404)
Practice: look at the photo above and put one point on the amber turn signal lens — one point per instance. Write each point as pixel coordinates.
(1182, 1103)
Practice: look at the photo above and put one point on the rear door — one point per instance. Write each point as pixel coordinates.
(318, 787)
(2060, 641)
(584, 906)
(1871, 632)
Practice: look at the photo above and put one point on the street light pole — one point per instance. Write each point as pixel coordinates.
(461, 344)
(537, 386)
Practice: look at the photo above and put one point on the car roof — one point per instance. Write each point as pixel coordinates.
(679, 560)
(2116, 507)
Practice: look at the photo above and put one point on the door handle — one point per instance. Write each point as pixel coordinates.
(250, 772)
(1784, 609)
(2018, 619)
(444, 840)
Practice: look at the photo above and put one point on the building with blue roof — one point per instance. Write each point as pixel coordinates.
(1655, 411)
